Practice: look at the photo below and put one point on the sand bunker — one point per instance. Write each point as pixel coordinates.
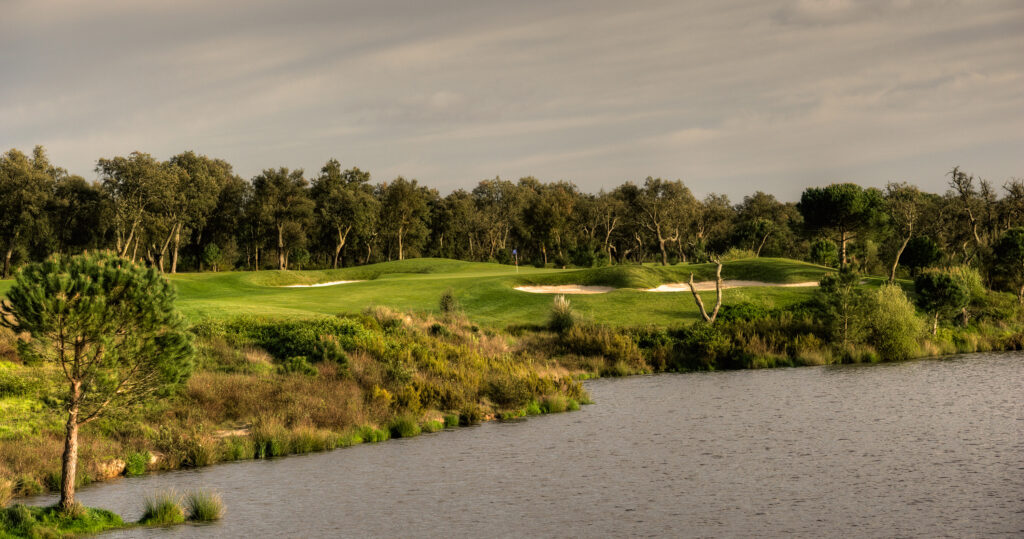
(710, 285)
(331, 283)
(565, 289)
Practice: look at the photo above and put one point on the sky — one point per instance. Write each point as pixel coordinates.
(731, 97)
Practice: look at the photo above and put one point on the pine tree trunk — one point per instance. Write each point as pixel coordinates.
(935, 324)
(842, 241)
(70, 458)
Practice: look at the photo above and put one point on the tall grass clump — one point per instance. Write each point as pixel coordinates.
(432, 425)
(404, 427)
(6, 491)
(204, 506)
(562, 318)
(162, 509)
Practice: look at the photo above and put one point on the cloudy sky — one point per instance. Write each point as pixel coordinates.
(727, 96)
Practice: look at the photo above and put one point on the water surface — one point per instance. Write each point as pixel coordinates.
(924, 449)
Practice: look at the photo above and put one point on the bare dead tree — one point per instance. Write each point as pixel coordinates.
(718, 289)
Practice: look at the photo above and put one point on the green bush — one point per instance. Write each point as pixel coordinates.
(404, 427)
(508, 391)
(451, 420)
(448, 304)
(698, 347)
(297, 365)
(599, 341)
(533, 408)
(136, 463)
(204, 506)
(162, 509)
(891, 323)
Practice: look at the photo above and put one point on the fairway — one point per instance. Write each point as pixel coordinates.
(484, 291)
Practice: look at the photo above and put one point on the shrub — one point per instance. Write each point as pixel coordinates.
(448, 304)
(162, 509)
(298, 365)
(136, 463)
(614, 347)
(533, 408)
(470, 415)
(404, 427)
(562, 318)
(744, 310)
(892, 325)
(204, 506)
(698, 347)
(439, 330)
(508, 391)
(451, 420)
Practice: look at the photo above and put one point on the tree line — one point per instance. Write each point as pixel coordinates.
(193, 213)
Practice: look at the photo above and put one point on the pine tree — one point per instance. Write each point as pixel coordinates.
(110, 326)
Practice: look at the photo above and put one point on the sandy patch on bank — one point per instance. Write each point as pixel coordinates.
(331, 283)
(565, 289)
(710, 285)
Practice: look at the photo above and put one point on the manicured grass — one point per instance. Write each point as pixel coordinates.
(485, 292)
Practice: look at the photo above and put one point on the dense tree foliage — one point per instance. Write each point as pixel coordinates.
(844, 209)
(193, 212)
(939, 293)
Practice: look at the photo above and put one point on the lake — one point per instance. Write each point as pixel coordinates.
(923, 449)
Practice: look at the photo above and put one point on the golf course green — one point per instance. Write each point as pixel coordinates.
(485, 292)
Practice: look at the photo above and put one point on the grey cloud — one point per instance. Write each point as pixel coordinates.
(725, 95)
